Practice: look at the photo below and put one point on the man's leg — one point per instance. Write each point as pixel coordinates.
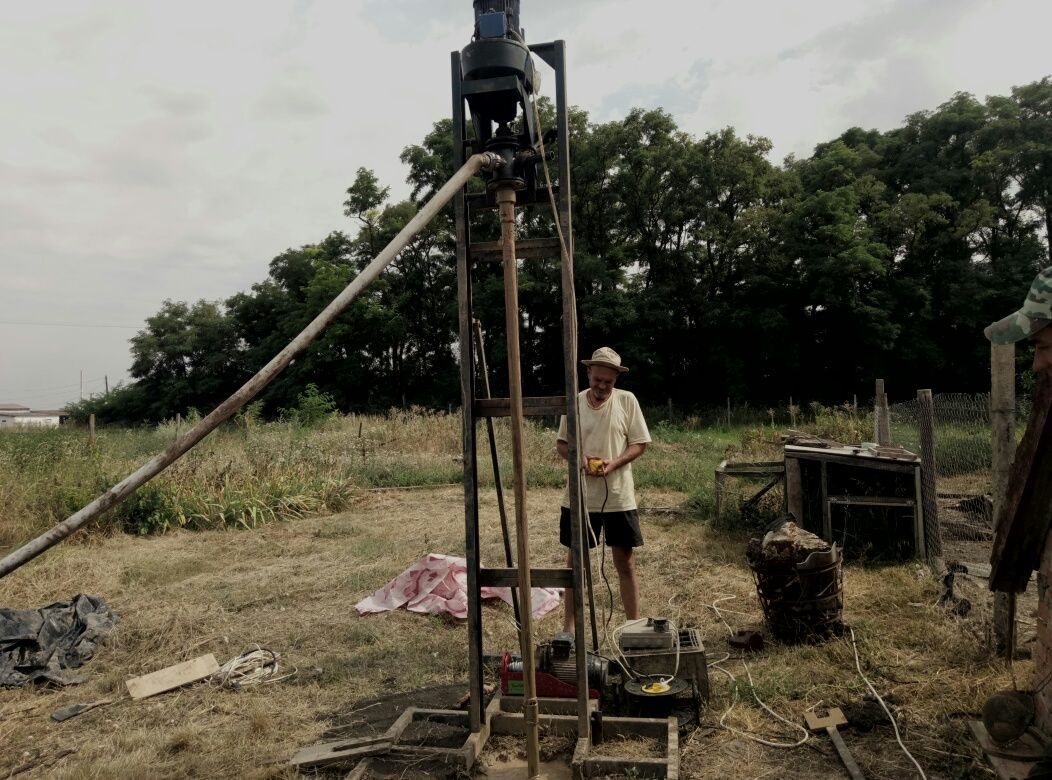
(625, 564)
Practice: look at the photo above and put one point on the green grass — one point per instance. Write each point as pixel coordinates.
(245, 476)
(249, 473)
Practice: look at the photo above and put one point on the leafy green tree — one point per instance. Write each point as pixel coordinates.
(186, 356)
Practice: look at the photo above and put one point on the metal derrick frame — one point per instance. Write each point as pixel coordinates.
(555, 55)
(512, 714)
(506, 714)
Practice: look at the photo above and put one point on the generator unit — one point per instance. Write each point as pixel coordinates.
(556, 671)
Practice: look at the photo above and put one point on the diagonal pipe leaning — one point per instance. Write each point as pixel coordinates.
(479, 162)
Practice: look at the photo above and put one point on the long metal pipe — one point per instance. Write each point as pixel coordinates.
(506, 206)
(266, 375)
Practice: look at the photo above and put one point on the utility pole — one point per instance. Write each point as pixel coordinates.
(106, 377)
(82, 384)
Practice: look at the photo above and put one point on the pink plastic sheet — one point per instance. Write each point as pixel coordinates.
(439, 583)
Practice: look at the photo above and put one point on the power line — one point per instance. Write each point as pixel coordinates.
(49, 387)
(69, 324)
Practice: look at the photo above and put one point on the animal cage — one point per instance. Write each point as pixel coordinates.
(866, 500)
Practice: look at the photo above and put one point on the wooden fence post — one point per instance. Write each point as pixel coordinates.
(91, 429)
(881, 418)
(1002, 423)
(929, 480)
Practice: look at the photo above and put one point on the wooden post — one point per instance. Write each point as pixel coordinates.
(91, 429)
(728, 412)
(106, 379)
(670, 410)
(881, 419)
(929, 480)
(178, 422)
(794, 496)
(1002, 423)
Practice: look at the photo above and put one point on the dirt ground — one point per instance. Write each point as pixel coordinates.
(292, 587)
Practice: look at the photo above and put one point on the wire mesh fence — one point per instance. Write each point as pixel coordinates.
(964, 527)
(963, 445)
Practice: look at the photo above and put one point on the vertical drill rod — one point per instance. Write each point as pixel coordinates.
(506, 205)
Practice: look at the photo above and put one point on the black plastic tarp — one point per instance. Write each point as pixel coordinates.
(43, 645)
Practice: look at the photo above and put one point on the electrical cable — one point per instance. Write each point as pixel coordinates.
(752, 689)
(70, 324)
(251, 667)
(894, 725)
(572, 326)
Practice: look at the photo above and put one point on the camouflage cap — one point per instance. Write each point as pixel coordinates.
(1035, 314)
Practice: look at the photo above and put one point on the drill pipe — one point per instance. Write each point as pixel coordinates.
(506, 205)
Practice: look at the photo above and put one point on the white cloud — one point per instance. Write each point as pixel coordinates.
(170, 150)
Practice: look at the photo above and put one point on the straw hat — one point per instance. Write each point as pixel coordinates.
(604, 356)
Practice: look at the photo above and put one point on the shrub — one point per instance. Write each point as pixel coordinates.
(313, 408)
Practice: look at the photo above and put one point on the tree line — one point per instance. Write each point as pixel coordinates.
(714, 271)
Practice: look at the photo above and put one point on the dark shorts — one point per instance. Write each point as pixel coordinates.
(622, 528)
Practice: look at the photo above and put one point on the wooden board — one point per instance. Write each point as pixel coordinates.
(339, 752)
(1025, 518)
(541, 406)
(173, 677)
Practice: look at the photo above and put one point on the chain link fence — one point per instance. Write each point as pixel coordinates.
(963, 445)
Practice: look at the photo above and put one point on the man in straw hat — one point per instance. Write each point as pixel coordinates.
(1030, 323)
(613, 434)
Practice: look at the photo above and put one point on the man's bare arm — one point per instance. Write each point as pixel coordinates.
(563, 449)
(631, 452)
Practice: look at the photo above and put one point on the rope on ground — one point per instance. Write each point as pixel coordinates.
(254, 666)
(894, 725)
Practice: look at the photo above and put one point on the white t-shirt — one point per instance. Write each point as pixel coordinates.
(606, 432)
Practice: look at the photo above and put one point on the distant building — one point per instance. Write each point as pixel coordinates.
(15, 416)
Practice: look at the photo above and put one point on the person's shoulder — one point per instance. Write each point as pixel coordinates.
(626, 397)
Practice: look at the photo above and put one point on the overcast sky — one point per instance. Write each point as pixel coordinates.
(153, 150)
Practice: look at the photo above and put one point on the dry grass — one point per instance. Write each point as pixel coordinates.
(292, 587)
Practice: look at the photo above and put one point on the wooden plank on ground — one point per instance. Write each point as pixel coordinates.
(173, 677)
(337, 752)
(1027, 512)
